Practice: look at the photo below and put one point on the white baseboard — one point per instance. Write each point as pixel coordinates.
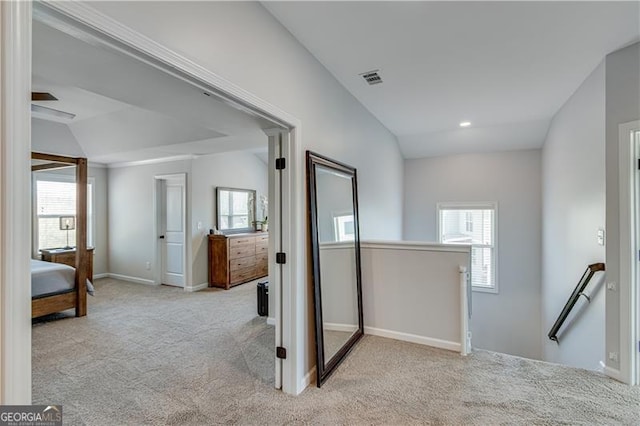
(613, 373)
(271, 321)
(98, 276)
(132, 279)
(348, 328)
(413, 338)
(309, 378)
(196, 287)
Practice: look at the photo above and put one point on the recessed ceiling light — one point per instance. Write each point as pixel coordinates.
(465, 124)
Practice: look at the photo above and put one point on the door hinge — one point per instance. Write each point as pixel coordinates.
(281, 258)
(281, 352)
(280, 163)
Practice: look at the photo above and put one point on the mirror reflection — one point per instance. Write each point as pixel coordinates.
(336, 260)
(334, 206)
(235, 209)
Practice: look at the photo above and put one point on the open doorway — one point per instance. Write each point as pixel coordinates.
(276, 150)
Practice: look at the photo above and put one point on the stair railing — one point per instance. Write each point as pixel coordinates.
(577, 292)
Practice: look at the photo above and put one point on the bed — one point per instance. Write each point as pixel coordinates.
(55, 286)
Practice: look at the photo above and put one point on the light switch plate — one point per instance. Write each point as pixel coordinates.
(600, 236)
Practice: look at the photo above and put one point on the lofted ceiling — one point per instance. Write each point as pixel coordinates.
(127, 110)
(506, 67)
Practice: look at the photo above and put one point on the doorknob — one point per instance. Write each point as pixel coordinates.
(162, 237)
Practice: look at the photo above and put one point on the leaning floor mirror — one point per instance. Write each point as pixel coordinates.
(335, 247)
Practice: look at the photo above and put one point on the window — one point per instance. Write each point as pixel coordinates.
(474, 224)
(55, 197)
(344, 228)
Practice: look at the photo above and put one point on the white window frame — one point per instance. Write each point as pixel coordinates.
(486, 205)
(338, 226)
(55, 177)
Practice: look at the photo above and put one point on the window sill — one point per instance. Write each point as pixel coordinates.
(491, 290)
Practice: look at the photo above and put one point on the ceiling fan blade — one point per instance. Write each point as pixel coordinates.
(42, 96)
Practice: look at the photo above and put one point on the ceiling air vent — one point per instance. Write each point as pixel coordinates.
(372, 77)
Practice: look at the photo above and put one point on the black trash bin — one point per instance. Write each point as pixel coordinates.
(263, 298)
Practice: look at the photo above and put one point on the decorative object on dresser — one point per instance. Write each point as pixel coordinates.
(68, 257)
(237, 258)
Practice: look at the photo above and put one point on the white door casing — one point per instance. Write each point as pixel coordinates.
(629, 282)
(172, 239)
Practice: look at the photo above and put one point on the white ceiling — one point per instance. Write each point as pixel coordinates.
(127, 110)
(507, 67)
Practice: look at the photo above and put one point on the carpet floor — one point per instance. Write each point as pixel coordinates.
(157, 355)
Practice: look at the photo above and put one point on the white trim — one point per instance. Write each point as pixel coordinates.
(309, 378)
(171, 159)
(15, 203)
(271, 321)
(465, 294)
(135, 280)
(99, 276)
(193, 289)
(414, 338)
(613, 373)
(628, 281)
(415, 246)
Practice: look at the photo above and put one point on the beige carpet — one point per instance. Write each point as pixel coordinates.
(148, 355)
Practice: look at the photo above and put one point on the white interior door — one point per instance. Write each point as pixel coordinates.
(172, 237)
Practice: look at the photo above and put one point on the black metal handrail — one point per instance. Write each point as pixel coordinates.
(582, 284)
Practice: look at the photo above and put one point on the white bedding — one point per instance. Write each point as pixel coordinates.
(49, 278)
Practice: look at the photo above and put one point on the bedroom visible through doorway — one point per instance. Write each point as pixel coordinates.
(135, 141)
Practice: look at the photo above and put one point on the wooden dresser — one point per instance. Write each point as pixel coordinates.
(237, 258)
(68, 257)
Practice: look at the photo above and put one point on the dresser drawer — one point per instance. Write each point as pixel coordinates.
(262, 239)
(262, 270)
(260, 250)
(262, 258)
(241, 263)
(241, 275)
(242, 242)
(242, 251)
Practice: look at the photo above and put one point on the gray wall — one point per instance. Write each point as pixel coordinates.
(101, 215)
(622, 105)
(573, 176)
(132, 241)
(509, 321)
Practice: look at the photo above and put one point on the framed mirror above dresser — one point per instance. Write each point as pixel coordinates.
(235, 210)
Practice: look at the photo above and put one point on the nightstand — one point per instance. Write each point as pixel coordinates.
(68, 257)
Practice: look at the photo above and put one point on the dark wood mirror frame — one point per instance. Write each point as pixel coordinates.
(323, 371)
